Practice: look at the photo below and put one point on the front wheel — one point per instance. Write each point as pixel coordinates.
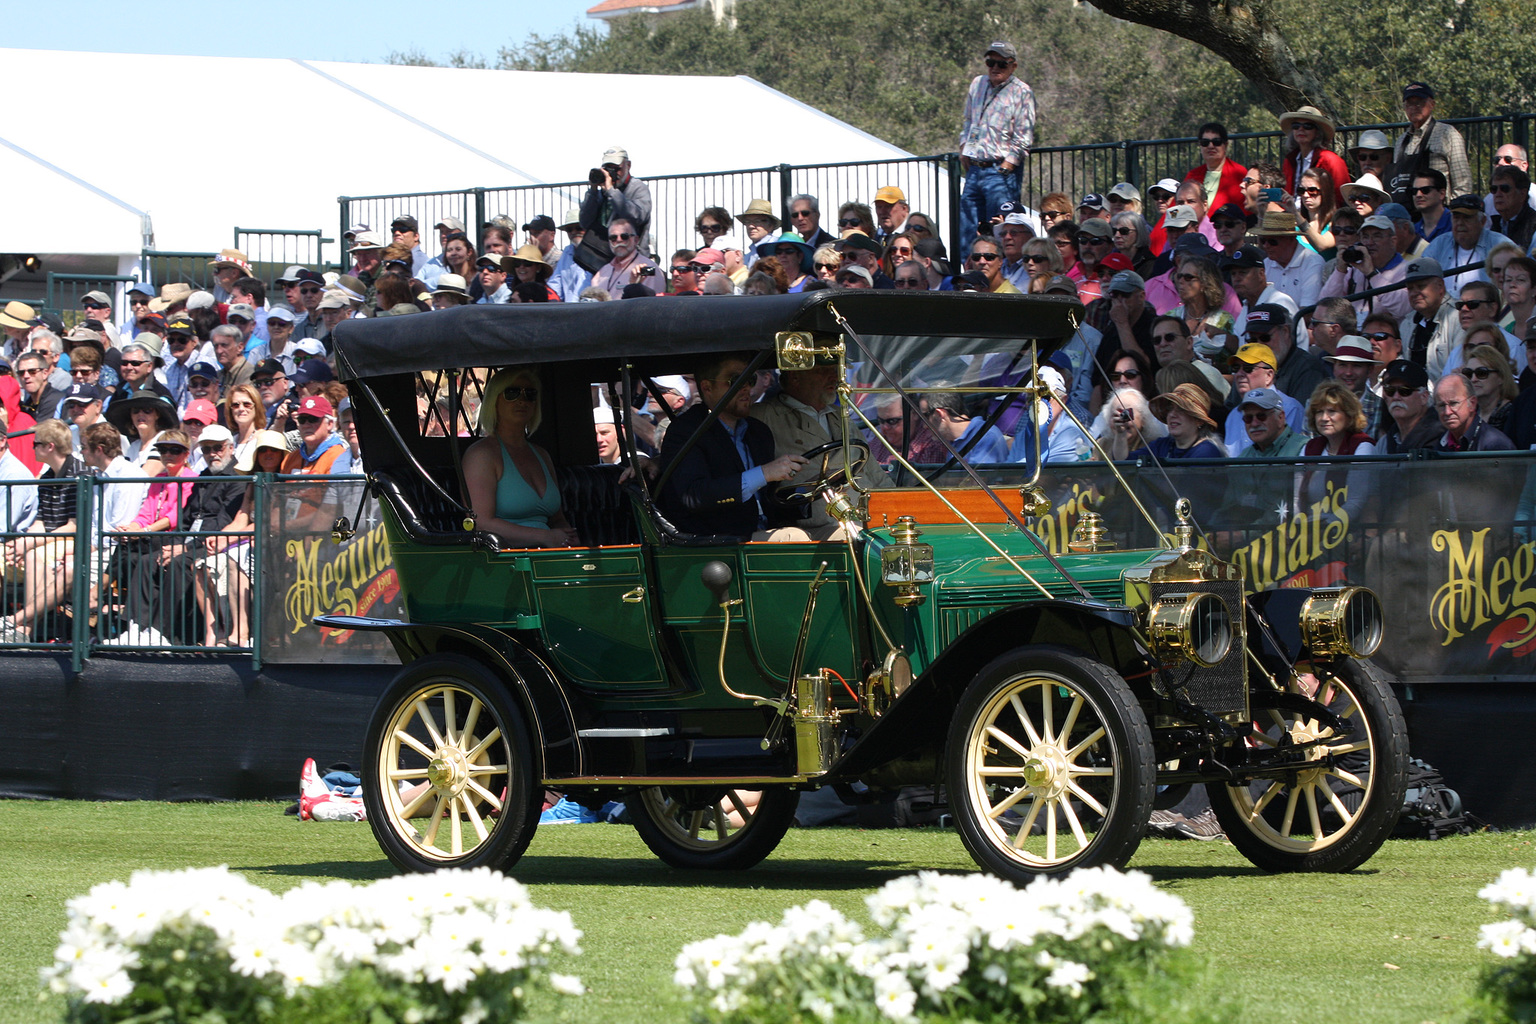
(451, 770)
(1342, 800)
(1050, 765)
(713, 828)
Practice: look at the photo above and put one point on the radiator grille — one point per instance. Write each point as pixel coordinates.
(1223, 688)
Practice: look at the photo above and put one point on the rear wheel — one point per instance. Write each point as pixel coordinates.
(1050, 765)
(710, 827)
(451, 771)
(1340, 804)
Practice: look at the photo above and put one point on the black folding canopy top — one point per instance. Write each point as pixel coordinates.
(653, 329)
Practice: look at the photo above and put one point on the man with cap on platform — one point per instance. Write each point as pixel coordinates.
(81, 407)
(1298, 371)
(891, 211)
(1431, 331)
(243, 316)
(451, 292)
(203, 382)
(139, 296)
(306, 319)
(367, 254)
(1122, 197)
(858, 249)
(851, 275)
(405, 231)
(271, 380)
(492, 272)
(569, 278)
(614, 192)
(1161, 197)
(1468, 241)
(229, 266)
(196, 418)
(280, 335)
(997, 130)
(1011, 234)
(1231, 227)
(1295, 269)
(1254, 367)
(1511, 155)
(97, 305)
(1092, 207)
(437, 266)
(1428, 144)
(1373, 154)
(180, 351)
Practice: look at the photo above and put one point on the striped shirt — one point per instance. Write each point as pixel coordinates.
(998, 124)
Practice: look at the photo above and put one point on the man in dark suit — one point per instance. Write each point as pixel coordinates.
(721, 485)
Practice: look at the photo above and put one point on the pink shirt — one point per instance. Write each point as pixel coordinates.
(163, 501)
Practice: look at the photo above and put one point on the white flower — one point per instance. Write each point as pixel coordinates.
(895, 997)
(1069, 975)
(566, 984)
(996, 974)
(101, 974)
(1515, 889)
(1506, 938)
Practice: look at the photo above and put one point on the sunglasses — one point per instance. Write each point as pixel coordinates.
(1166, 339)
(242, 405)
(1424, 190)
(849, 222)
(1186, 277)
(1125, 375)
(623, 236)
(1255, 417)
(1470, 303)
(309, 291)
(523, 394)
(986, 257)
(1306, 126)
(887, 421)
(33, 371)
(994, 64)
(305, 420)
(93, 305)
(1270, 243)
(1038, 258)
(1310, 190)
(1209, 143)
(83, 371)
(1503, 186)
(170, 449)
(1227, 225)
(265, 382)
(900, 250)
(1124, 231)
(1091, 240)
(127, 362)
(1238, 366)
(711, 229)
(684, 268)
(199, 382)
(1381, 335)
(1479, 372)
(1393, 391)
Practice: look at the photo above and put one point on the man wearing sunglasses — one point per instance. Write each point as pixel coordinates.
(1254, 367)
(97, 306)
(997, 129)
(615, 193)
(322, 452)
(629, 265)
(1411, 422)
(307, 322)
(1513, 217)
(1511, 155)
(686, 276)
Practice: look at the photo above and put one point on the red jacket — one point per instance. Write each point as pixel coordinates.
(1329, 161)
(1230, 190)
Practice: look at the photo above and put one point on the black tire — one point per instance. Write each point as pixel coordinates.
(687, 826)
(1358, 798)
(464, 790)
(1096, 799)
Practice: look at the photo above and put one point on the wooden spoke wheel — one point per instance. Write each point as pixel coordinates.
(1050, 765)
(711, 827)
(1343, 798)
(450, 780)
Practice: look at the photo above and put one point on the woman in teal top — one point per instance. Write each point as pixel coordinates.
(512, 486)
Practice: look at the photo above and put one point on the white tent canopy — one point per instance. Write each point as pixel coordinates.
(348, 129)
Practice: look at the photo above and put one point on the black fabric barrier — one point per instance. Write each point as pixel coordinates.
(188, 727)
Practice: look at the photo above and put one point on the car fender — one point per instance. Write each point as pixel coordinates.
(920, 718)
(530, 679)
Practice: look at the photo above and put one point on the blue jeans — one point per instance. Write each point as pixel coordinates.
(986, 190)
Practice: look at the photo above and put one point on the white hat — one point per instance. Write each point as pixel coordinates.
(309, 346)
(200, 300)
(675, 382)
(1166, 185)
(602, 414)
(725, 242)
(368, 240)
(215, 434)
(1053, 380)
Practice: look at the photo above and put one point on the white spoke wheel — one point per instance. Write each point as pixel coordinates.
(1050, 765)
(710, 827)
(450, 770)
(1341, 802)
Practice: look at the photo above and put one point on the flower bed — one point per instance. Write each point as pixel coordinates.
(968, 947)
(458, 946)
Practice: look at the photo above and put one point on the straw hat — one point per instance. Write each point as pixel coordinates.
(760, 208)
(259, 440)
(1191, 398)
(1277, 223)
(1323, 121)
(529, 255)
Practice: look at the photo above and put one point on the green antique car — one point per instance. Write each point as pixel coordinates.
(1055, 699)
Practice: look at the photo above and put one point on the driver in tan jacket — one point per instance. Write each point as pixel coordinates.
(803, 416)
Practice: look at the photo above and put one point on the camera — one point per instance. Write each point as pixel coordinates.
(1352, 255)
(647, 271)
(1123, 415)
(597, 177)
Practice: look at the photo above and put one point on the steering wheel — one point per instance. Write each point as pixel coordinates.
(829, 473)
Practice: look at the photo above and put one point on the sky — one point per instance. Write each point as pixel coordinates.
(285, 28)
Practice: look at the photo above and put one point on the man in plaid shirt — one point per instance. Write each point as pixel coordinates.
(1428, 143)
(996, 130)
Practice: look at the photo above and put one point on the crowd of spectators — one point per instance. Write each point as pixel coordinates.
(1375, 300)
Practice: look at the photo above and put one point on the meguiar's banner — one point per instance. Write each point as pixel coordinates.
(1448, 543)
(306, 573)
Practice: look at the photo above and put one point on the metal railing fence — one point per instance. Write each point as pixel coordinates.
(931, 183)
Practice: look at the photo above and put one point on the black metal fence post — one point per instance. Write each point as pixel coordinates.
(786, 190)
(952, 163)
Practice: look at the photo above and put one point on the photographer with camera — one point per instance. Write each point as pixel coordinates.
(629, 264)
(613, 193)
(1372, 262)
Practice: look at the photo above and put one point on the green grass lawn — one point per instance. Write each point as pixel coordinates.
(1392, 942)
